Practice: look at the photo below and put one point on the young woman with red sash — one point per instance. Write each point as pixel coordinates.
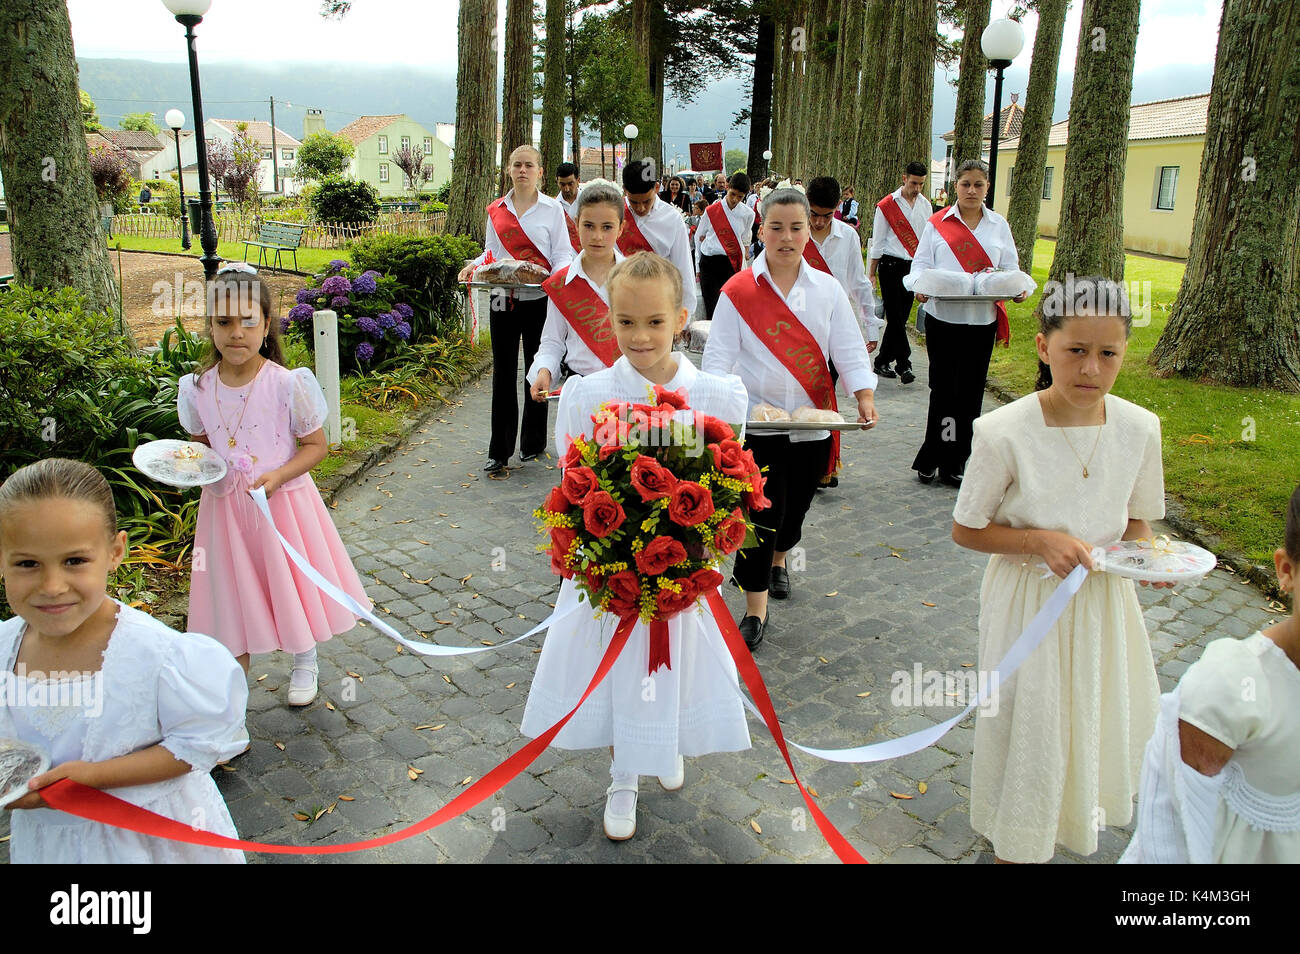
(721, 240)
(959, 336)
(776, 325)
(578, 331)
(528, 226)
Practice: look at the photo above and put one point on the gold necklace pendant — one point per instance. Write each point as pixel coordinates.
(232, 443)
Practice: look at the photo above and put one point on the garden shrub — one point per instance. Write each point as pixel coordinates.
(426, 266)
(374, 319)
(345, 201)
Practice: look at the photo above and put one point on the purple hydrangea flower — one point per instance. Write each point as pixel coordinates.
(336, 285)
(368, 325)
(365, 352)
(337, 265)
(373, 274)
(284, 324)
(405, 310)
(403, 330)
(387, 320)
(365, 285)
(300, 312)
(339, 302)
(307, 296)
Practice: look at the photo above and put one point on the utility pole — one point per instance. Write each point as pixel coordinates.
(275, 156)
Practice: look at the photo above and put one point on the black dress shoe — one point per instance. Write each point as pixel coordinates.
(952, 480)
(751, 627)
(494, 466)
(779, 588)
(926, 476)
(906, 377)
(886, 372)
(530, 456)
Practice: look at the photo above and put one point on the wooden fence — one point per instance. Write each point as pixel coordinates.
(231, 229)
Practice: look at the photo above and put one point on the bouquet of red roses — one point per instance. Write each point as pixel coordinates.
(648, 507)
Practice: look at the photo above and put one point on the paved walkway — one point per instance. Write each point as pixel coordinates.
(448, 552)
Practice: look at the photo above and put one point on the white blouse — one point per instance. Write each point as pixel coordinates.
(842, 251)
(545, 227)
(934, 252)
(884, 241)
(707, 242)
(560, 342)
(665, 230)
(821, 305)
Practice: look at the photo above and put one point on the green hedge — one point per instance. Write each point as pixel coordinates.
(426, 265)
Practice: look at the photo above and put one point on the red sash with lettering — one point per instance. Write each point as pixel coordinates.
(513, 236)
(632, 240)
(972, 257)
(573, 231)
(813, 256)
(888, 207)
(726, 234)
(586, 313)
(771, 319)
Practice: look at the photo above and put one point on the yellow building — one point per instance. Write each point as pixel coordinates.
(1165, 141)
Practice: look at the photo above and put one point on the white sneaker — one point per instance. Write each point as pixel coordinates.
(302, 688)
(672, 783)
(620, 825)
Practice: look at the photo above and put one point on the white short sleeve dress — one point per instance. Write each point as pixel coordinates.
(692, 708)
(1061, 758)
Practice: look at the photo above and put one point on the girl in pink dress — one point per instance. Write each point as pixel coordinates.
(266, 421)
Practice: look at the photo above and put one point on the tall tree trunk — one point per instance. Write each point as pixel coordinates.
(844, 123)
(517, 99)
(575, 124)
(891, 99)
(648, 27)
(875, 29)
(821, 62)
(1036, 124)
(797, 106)
(920, 43)
(968, 118)
(473, 173)
(1091, 239)
(780, 62)
(53, 209)
(1234, 321)
(552, 145)
(760, 103)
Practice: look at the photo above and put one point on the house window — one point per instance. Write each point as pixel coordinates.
(286, 155)
(383, 172)
(406, 142)
(1047, 181)
(266, 154)
(1167, 187)
(428, 145)
(383, 145)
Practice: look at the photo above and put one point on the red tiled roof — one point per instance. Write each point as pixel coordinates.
(1012, 116)
(359, 130)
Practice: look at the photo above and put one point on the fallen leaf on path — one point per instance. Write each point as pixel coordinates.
(465, 579)
(280, 746)
(897, 795)
(302, 816)
(967, 665)
(467, 779)
(833, 593)
(407, 520)
(823, 659)
(319, 814)
(446, 678)
(926, 603)
(263, 676)
(376, 507)
(330, 706)
(921, 787)
(863, 695)
(510, 685)
(346, 798)
(754, 825)
(426, 582)
(786, 781)
(413, 775)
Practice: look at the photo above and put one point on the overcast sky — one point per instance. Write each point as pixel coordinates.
(424, 34)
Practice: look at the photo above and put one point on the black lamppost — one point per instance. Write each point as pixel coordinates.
(1001, 41)
(189, 14)
(175, 119)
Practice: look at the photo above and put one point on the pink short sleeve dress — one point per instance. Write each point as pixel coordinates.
(244, 591)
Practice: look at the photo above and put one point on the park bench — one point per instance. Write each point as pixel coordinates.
(278, 237)
(5, 282)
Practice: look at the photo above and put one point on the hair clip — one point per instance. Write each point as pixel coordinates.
(237, 267)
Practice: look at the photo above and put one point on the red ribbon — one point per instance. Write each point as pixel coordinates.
(660, 648)
(98, 806)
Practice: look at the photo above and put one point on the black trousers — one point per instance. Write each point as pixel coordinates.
(895, 349)
(793, 471)
(714, 272)
(959, 367)
(519, 320)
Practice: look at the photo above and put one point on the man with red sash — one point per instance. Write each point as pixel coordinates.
(776, 325)
(959, 335)
(721, 240)
(566, 177)
(652, 225)
(527, 225)
(900, 220)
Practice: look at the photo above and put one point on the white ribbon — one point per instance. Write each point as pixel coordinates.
(349, 603)
(1025, 644)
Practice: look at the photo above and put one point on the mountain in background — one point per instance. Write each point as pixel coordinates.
(243, 91)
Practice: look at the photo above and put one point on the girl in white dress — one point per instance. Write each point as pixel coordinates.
(691, 708)
(1051, 476)
(1221, 780)
(133, 707)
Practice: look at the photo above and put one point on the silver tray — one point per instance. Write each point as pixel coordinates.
(803, 426)
(969, 298)
(537, 285)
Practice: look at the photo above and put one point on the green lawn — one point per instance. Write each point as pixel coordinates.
(309, 259)
(1229, 453)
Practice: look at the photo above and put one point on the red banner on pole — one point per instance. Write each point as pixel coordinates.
(706, 156)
